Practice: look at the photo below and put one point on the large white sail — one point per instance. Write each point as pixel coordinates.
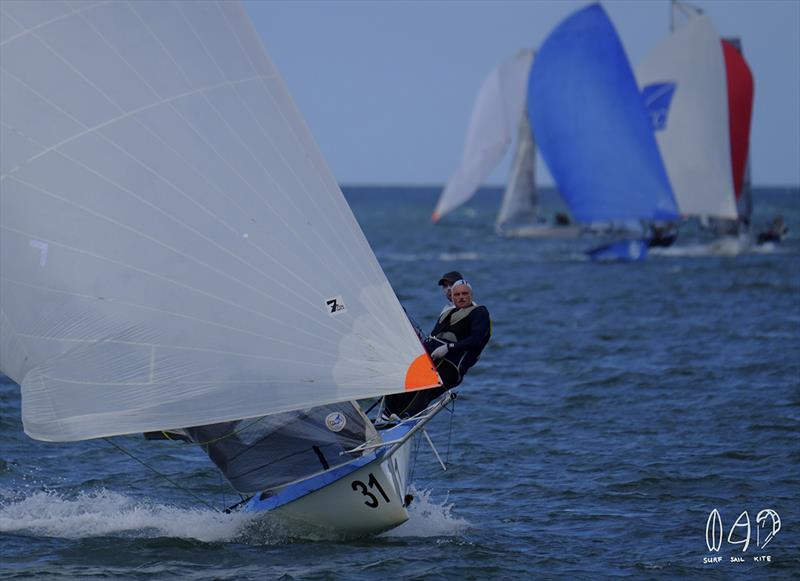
(492, 125)
(684, 82)
(174, 250)
(521, 198)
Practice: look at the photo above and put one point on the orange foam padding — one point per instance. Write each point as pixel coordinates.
(422, 374)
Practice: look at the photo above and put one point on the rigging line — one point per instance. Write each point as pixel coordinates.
(164, 476)
(376, 402)
(450, 432)
(228, 435)
(222, 488)
(414, 464)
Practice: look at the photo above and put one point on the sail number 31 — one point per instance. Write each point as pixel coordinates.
(372, 483)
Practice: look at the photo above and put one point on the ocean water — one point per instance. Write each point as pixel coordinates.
(616, 407)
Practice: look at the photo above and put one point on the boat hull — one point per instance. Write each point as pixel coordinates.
(368, 501)
(536, 231)
(364, 498)
(620, 251)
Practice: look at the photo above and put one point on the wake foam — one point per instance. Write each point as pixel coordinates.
(429, 519)
(104, 513)
(721, 247)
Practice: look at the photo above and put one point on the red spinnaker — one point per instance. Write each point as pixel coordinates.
(740, 108)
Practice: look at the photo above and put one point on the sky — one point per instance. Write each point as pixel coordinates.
(387, 87)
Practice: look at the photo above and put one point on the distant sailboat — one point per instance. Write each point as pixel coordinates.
(594, 131)
(684, 84)
(703, 123)
(500, 114)
(176, 256)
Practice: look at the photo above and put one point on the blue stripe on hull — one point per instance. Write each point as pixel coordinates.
(305, 487)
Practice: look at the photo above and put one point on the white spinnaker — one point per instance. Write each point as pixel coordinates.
(171, 239)
(521, 198)
(492, 124)
(695, 142)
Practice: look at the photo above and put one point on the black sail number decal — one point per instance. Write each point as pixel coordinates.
(372, 483)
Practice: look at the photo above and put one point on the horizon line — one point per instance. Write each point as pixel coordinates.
(499, 186)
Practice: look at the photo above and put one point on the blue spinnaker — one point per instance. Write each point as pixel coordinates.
(592, 126)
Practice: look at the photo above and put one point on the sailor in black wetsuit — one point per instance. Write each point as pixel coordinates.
(459, 336)
(456, 342)
(662, 235)
(775, 233)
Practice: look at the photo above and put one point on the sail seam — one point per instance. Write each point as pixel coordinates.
(337, 197)
(32, 29)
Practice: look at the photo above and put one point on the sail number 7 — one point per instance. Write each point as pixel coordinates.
(372, 483)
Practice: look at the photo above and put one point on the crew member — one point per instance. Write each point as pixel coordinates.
(456, 342)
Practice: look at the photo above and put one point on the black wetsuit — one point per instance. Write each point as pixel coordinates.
(772, 235)
(465, 335)
(466, 332)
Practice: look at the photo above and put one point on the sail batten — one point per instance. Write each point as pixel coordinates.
(174, 251)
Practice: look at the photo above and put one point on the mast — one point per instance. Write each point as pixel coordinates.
(682, 9)
(520, 198)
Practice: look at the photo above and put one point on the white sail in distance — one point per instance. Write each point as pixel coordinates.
(686, 73)
(492, 126)
(174, 250)
(520, 198)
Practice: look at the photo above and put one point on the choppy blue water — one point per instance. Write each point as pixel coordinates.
(614, 409)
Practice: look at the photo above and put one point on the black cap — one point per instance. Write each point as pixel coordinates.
(450, 277)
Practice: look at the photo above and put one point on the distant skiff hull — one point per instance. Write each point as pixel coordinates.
(620, 251)
(537, 231)
(362, 498)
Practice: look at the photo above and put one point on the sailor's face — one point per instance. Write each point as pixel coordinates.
(446, 287)
(462, 296)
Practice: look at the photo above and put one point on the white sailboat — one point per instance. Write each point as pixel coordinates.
(582, 140)
(174, 252)
(683, 81)
(519, 210)
(500, 113)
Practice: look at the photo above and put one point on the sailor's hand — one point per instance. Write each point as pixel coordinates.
(439, 352)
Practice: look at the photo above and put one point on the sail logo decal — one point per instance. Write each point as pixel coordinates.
(335, 421)
(657, 98)
(334, 305)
